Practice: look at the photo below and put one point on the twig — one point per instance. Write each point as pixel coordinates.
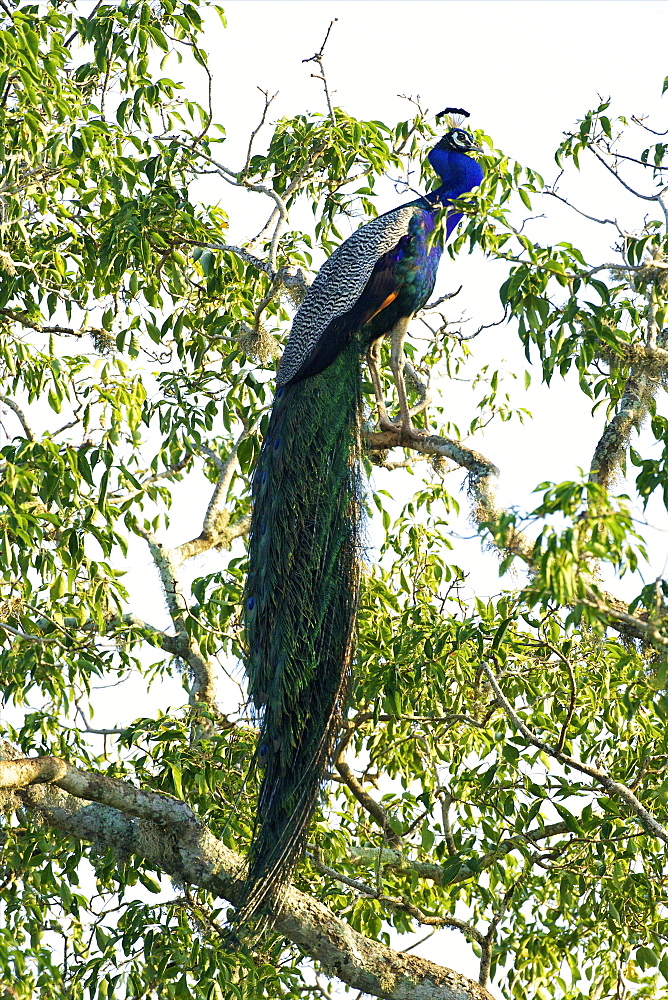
(571, 705)
(267, 102)
(592, 218)
(19, 413)
(68, 41)
(318, 58)
(659, 196)
(444, 298)
(485, 326)
(216, 529)
(638, 121)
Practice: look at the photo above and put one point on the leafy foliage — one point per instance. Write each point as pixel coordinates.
(136, 352)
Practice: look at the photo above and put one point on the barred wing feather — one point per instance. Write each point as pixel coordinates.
(339, 284)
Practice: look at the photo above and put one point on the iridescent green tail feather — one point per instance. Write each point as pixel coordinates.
(301, 602)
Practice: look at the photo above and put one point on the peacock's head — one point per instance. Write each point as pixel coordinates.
(458, 172)
(459, 140)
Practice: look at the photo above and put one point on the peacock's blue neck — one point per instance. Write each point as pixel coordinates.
(459, 174)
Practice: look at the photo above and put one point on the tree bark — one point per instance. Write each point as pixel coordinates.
(164, 832)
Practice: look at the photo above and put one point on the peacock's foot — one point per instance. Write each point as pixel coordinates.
(409, 435)
(405, 430)
(387, 424)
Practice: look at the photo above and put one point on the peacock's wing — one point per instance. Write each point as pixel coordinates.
(337, 289)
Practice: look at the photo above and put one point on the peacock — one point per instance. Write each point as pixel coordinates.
(305, 541)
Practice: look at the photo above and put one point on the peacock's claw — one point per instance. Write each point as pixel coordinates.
(404, 429)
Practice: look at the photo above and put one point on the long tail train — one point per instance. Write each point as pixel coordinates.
(301, 602)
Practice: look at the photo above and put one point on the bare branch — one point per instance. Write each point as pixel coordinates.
(639, 121)
(592, 218)
(659, 196)
(318, 58)
(485, 326)
(438, 302)
(267, 102)
(19, 413)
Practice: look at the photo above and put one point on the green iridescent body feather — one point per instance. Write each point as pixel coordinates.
(305, 558)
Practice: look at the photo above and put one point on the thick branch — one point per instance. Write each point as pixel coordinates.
(483, 477)
(613, 443)
(166, 833)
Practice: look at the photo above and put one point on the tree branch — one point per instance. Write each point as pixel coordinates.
(216, 530)
(318, 58)
(374, 809)
(19, 413)
(613, 788)
(164, 832)
(186, 647)
(614, 441)
(482, 485)
(394, 859)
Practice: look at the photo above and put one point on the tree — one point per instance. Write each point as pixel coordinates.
(517, 746)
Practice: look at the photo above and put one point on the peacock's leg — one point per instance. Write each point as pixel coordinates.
(373, 361)
(398, 336)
